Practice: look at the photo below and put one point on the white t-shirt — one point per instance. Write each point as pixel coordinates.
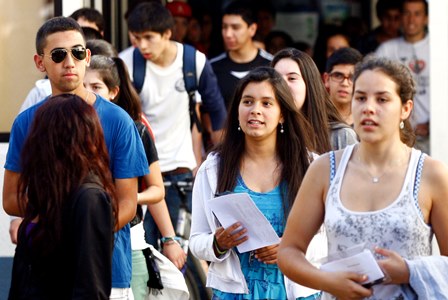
(166, 105)
(38, 93)
(416, 58)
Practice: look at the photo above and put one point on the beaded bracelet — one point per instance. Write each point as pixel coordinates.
(215, 244)
(169, 238)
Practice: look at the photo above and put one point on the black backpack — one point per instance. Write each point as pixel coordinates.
(189, 70)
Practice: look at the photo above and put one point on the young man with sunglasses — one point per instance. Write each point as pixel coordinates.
(62, 55)
(87, 18)
(338, 80)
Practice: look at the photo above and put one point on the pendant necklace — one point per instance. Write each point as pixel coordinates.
(376, 179)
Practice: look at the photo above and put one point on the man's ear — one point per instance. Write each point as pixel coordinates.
(39, 61)
(167, 34)
(326, 78)
(253, 29)
(88, 57)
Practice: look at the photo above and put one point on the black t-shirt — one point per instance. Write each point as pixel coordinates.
(148, 143)
(151, 156)
(229, 72)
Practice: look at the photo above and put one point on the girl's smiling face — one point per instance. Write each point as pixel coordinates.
(259, 111)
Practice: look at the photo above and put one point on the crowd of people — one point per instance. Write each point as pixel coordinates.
(331, 144)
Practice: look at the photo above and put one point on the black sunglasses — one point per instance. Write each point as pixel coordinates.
(58, 55)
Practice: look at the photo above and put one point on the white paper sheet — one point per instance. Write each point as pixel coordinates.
(361, 263)
(239, 207)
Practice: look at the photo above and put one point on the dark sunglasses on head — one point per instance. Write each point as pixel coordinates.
(58, 55)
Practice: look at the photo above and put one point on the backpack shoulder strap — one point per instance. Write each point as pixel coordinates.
(190, 81)
(138, 69)
(189, 68)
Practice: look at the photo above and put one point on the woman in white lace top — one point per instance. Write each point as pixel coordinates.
(380, 192)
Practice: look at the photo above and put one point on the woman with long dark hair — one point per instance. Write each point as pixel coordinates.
(329, 131)
(264, 152)
(109, 78)
(66, 194)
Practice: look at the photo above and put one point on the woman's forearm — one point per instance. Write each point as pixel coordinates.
(161, 216)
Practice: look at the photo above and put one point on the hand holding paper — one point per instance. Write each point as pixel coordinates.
(229, 237)
(361, 263)
(239, 207)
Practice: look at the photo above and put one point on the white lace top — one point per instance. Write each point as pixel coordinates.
(399, 226)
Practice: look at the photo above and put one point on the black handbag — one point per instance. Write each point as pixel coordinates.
(155, 280)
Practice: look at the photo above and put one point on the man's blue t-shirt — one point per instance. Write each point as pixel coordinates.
(127, 160)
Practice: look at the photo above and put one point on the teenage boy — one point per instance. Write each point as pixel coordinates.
(412, 49)
(388, 13)
(238, 29)
(90, 20)
(61, 53)
(338, 80)
(165, 100)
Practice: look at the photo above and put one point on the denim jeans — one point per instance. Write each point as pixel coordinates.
(173, 201)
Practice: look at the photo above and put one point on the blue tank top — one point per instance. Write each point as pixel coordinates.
(264, 281)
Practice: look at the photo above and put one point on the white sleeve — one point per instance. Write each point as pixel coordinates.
(38, 93)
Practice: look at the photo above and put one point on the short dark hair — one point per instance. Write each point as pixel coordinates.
(382, 6)
(91, 15)
(268, 40)
(56, 24)
(150, 16)
(266, 6)
(243, 8)
(425, 3)
(91, 33)
(343, 56)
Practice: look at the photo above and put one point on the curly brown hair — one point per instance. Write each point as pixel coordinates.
(64, 149)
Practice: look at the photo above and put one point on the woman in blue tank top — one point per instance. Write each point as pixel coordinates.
(264, 154)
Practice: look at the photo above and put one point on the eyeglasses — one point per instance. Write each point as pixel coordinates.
(339, 77)
(59, 54)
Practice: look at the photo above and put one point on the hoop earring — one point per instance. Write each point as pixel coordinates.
(401, 125)
(281, 128)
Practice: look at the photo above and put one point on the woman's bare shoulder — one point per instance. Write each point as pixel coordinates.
(323, 160)
(320, 168)
(435, 172)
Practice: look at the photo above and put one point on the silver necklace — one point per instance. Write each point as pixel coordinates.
(376, 179)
